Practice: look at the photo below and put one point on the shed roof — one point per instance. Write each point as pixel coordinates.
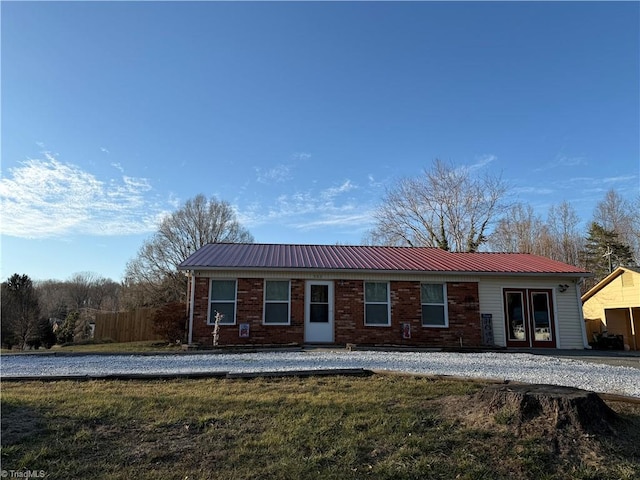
(244, 256)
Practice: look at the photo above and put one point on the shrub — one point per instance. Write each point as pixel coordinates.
(170, 321)
(66, 331)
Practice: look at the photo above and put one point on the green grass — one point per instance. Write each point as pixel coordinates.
(383, 427)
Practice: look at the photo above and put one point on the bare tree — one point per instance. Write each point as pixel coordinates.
(105, 294)
(521, 230)
(53, 296)
(83, 290)
(447, 207)
(518, 231)
(80, 289)
(613, 213)
(152, 277)
(563, 224)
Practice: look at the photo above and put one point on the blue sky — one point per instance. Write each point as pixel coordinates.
(298, 114)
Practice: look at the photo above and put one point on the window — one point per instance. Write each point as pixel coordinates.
(434, 305)
(276, 302)
(376, 304)
(514, 316)
(223, 300)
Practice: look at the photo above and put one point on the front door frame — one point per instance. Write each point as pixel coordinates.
(319, 332)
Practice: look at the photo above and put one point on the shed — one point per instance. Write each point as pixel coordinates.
(613, 305)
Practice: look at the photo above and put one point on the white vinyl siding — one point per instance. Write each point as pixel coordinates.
(569, 318)
(567, 313)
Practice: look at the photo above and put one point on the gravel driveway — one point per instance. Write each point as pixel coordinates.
(521, 367)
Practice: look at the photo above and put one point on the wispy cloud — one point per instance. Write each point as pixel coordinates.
(562, 161)
(279, 173)
(482, 161)
(619, 179)
(174, 200)
(105, 150)
(332, 192)
(567, 161)
(533, 190)
(311, 209)
(282, 172)
(351, 220)
(583, 192)
(373, 182)
(599, 183)
(300, 156)
(44, 198)
(479, 163)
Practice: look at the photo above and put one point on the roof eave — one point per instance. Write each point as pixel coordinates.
(382, 271)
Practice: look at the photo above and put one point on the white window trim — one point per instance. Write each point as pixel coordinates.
(264, 302)
(210, 319)
(387, 303)
(445, 305)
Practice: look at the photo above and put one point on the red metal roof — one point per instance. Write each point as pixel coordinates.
(220, 256)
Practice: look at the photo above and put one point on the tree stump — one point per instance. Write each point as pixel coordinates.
(548, 406)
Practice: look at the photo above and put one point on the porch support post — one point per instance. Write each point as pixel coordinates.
(192, 297)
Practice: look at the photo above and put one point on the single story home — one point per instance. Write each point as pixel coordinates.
(613, 305)
(379, 295)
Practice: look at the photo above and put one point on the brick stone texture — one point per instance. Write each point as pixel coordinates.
(349, 327)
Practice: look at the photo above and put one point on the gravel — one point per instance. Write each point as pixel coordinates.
(520, 367)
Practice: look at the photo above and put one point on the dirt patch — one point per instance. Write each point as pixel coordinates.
(18, 423)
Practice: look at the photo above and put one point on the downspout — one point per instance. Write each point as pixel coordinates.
(192, 297)
(583, 328)
(633, 329)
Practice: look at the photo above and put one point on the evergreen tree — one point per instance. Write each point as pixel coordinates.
(20, 311)
(604, 252)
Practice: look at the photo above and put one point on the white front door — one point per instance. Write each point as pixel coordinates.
(318, 312)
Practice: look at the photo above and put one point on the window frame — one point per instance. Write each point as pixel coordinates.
(210, 317)
(387, 303)
(265, 301)
(444, 304)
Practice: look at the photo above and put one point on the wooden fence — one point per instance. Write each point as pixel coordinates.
(593, 326)
(134, 326)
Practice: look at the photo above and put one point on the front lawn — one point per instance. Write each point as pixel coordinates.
(152, 346)
(383, 426)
